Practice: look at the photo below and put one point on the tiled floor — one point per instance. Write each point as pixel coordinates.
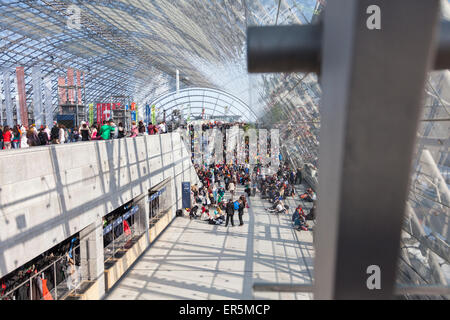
(195, 260)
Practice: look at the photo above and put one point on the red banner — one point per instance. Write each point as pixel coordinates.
(99, 112)
(20, 73)
(102, 115)
(107, 112)
(70, 83)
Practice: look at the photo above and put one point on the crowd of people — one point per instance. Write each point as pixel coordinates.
(281, 185)
(20, 136)
(209, 203)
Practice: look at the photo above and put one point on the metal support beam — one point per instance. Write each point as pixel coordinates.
(367, 138)
(284, 48)
(298, 48)
(443, 53)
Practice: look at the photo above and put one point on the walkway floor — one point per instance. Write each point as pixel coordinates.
(195, 260)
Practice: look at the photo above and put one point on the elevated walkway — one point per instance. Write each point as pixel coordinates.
(195, 260)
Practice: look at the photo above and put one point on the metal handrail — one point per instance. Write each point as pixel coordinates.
(29, 280)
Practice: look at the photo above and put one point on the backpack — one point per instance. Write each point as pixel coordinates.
(236, 205)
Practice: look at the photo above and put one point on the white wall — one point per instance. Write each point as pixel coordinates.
(49, 193)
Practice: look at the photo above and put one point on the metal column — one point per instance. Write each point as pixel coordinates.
(373, 83)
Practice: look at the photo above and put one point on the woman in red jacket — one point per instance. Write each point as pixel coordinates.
(7, 135)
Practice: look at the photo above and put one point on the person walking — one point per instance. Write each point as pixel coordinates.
(241, 212)
(134, 130)
(62, 134)
(230, 212)
(16, 137)
(94, 133)
(43, 137)
(75, 135)
(24, 139)
(114, 131)
(298, 176)
(141, 128)
(32, 136)
(105, 131)
(47, 131)
(54, 133)
(231, 188)
(7, 137)
(85, 132)
(120, 131)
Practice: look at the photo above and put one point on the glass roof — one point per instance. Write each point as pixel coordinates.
(134, 47)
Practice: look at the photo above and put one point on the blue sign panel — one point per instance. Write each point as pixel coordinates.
(186, 194)
(119, 220)
(147, 113)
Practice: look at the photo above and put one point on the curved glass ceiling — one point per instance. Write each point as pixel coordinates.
(133, 48)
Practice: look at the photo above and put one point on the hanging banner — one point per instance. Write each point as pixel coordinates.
(102, 113)
(8, 101)
(147, 113)
(97, 112)
(107, 113)
(48, 102)
(37, 96)
(22, 100)
(91, 113)
(153, 114)
(137, 113)
(133, 111)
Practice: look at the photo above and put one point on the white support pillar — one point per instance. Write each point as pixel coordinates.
(92, 254)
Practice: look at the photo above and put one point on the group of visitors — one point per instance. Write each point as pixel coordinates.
(277, 187)
(210, 196)
(300, 218)
(20, 136)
